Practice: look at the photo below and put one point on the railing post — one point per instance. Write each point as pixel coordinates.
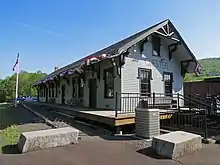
(153, 99)
(207, 107)
(178, 107)
(116, 105)
(178, 101)
(190, 102)
(205, 125)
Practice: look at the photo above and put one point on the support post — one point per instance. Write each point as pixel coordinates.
(16, 88)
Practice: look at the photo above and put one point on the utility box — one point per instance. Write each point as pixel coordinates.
(147, 122)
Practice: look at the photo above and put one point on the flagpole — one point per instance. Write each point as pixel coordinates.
(16, 89)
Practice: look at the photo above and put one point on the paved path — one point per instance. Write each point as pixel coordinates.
(96, 151)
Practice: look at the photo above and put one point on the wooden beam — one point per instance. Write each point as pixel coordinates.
(167, 36)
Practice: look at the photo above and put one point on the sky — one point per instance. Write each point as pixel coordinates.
(49, 33)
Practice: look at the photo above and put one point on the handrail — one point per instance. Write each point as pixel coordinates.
(126, 101)
(208, 100)
(194, 101)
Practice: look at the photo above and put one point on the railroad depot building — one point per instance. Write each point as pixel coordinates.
(154, 60)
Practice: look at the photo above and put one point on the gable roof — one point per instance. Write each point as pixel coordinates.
(123, 45)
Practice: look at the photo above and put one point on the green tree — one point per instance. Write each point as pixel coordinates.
(7, 85)
(211, 69)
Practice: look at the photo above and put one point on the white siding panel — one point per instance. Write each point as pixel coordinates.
(102, 102)
(158, 65)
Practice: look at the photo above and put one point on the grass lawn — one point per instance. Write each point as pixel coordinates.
(10, 120)
(14, 121)
(9, 136)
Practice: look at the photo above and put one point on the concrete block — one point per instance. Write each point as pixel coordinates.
(37, 140)
(175, 144)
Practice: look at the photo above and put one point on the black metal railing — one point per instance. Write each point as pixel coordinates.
(174, 114)
(128, 102)
(192, 119)
(211, 102)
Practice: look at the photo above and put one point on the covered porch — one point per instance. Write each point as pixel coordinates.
(111, 117)
(93, 86)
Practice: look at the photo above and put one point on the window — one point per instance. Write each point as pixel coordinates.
(156, 45)
(145, 78)
(168, 83)
(81, 87)
(109, 83)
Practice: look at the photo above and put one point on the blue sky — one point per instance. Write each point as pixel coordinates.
(50, 33)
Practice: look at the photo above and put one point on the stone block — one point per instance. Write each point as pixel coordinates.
(175, 144)
(37, 140)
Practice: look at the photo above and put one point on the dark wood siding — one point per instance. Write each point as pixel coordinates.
(202, 88)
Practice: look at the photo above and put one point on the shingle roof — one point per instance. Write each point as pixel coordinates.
(116, 48)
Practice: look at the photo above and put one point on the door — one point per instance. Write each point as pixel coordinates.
(63, 90)
(92, 93)
(145, 81)
(46, 93)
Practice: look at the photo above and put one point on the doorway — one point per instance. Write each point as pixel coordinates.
(63, 90)
(92, 93)
(46, 93)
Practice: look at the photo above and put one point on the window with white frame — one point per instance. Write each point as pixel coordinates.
(145, 80)
(168, 83)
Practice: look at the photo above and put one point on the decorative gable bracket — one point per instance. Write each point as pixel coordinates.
(184, 66)
(120, 62)
(167, 31)
(172, 48)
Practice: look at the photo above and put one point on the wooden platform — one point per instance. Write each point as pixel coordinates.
(98, 115)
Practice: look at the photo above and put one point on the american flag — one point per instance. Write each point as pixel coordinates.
(16, 62)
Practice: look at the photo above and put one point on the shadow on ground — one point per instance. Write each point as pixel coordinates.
(151, 153)
(120, 137)
(10, 149)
